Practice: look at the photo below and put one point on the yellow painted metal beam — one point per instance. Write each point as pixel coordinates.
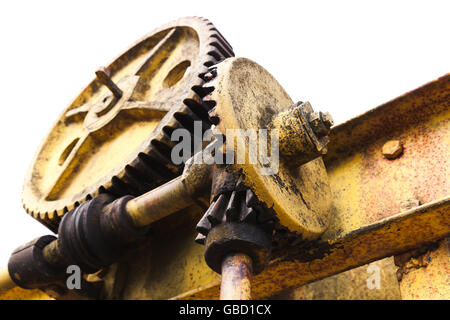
(393, 235)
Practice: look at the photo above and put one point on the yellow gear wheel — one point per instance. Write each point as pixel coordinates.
(115, 136)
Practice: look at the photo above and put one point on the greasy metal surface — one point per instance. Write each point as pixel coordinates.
(427, 277)
(101, 140)
(299, 265)
(236, 282)
(247, 97)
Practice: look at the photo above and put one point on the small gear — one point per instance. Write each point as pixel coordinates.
(235, 219)
(238, 205)
(121, 143)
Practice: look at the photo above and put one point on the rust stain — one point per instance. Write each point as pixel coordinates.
(427, 276)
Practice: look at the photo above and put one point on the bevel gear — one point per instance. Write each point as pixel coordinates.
(119, 141)
(239, 204)
(235, 219)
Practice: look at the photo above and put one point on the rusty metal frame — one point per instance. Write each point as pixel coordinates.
(368, 191)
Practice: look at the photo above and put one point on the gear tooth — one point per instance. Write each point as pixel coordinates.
(42, 215)
(222, 49)
(51, 214)
(225, 44)
(136, 178)
(162, 152)
(153, 168)
(216, 215)
(232, 211)
(142, 175)
(165, 144)
(212, 112)
(62, 212)
(199, 109)
(249, 215)
(208, 63)
(204, 226)
(168, 131)
(251, 199)
(217, 57)
(203, 91)
(200, 239)
(240, 184)
(218, 36)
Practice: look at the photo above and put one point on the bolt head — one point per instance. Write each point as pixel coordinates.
(392, 149)
(320, 126)
(314, 118)
(327, 119)
(409, 204)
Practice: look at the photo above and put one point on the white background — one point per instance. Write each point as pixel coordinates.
(344, 57)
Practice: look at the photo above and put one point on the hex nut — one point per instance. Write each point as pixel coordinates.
(392, 149)
(409, 204)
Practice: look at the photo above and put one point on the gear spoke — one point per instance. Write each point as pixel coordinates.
(157, 54)
(79, 110)
(156, 106)
(67, 160)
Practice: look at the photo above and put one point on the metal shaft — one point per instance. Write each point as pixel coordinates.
(52, 254)
(236, 277)
(159, 203)
(6, 282)
(175, 195)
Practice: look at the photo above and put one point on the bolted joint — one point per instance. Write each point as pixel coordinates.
(303, 133)
(97, 233)
(231, 237)
(320, 123)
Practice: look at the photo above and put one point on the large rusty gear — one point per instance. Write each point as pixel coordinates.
(121, 144)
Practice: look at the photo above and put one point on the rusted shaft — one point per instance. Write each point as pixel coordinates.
(6, 282)
(236, 277)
